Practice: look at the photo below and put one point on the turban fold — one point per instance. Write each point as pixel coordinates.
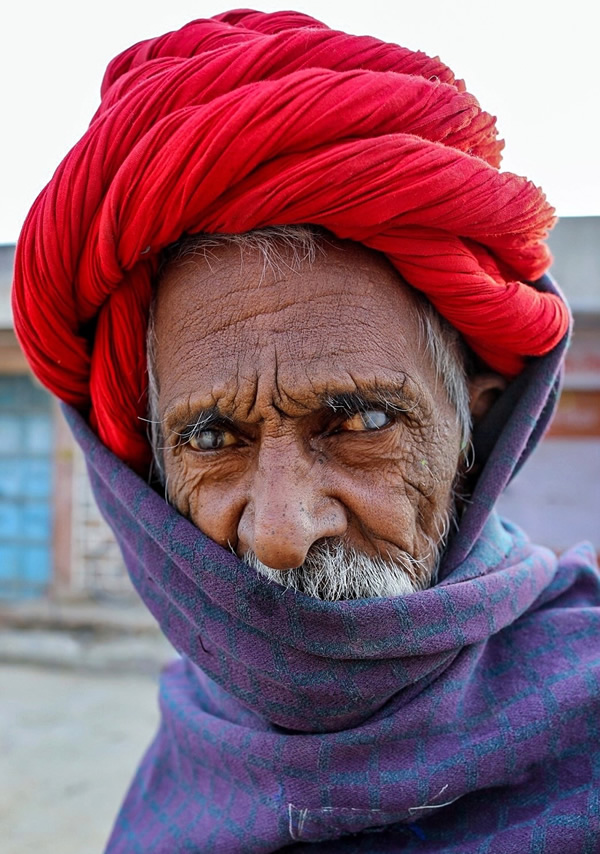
(247, 120)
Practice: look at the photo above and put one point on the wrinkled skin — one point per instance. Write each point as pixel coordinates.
(250, 356)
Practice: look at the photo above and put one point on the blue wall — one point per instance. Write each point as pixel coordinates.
(26, 448)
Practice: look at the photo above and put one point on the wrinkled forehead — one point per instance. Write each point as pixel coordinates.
(244, 331)
(233, 292)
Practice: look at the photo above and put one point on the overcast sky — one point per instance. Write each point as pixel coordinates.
(532, 63)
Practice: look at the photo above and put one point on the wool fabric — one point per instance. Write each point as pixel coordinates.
(462, 719)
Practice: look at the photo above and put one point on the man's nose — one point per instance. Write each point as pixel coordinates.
(289, 508)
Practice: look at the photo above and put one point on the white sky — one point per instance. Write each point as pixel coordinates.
(533, 63)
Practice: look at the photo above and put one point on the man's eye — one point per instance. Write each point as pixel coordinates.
(370, 419)
(211, 439)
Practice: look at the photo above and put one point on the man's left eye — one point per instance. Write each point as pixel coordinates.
(370, 419)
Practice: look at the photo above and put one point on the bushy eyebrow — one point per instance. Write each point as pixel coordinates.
(390, 398)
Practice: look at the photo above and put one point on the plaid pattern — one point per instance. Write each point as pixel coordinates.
(461, 719)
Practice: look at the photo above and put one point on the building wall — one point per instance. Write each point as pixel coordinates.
(556, 496)
(26, 486)
(53, 540)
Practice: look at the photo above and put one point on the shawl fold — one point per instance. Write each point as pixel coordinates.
(458, 719)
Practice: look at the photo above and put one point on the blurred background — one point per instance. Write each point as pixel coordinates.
(79, 656)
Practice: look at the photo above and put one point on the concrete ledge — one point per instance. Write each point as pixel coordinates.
(78, 616)
(83, 636)
(133, 655)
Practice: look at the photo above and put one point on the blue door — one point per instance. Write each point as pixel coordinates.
(26, 444)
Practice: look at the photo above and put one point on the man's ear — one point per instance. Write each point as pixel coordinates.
(484, 390)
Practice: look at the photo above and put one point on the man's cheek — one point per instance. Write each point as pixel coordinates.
(412, 476)
(427, 475)
(181, 483)
(214, 505)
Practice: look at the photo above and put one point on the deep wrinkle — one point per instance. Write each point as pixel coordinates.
(182, 421)
(284, 366)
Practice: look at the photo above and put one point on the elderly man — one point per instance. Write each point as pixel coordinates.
(287, 257)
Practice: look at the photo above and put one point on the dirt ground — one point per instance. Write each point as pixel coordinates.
(70, 743)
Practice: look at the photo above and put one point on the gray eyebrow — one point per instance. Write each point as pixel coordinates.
(201, 419)
(390, 399)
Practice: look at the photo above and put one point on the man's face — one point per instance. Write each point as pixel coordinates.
(298, 407)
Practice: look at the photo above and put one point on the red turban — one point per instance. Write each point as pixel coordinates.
(247, 120)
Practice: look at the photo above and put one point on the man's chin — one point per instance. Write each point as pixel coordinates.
(334, 571)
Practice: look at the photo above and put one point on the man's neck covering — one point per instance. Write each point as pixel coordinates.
(251, 119)
(462, 719)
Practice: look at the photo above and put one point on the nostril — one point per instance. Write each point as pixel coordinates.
(284, 516)
(279, 559)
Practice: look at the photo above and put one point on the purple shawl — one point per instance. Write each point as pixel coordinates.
(461, 719)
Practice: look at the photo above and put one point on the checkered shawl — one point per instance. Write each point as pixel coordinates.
(464, 718)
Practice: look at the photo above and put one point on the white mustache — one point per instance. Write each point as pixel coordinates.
(334, 571)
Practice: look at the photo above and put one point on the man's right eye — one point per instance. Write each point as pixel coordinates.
(211, 439)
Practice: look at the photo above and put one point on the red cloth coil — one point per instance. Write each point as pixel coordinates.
(247, 120)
